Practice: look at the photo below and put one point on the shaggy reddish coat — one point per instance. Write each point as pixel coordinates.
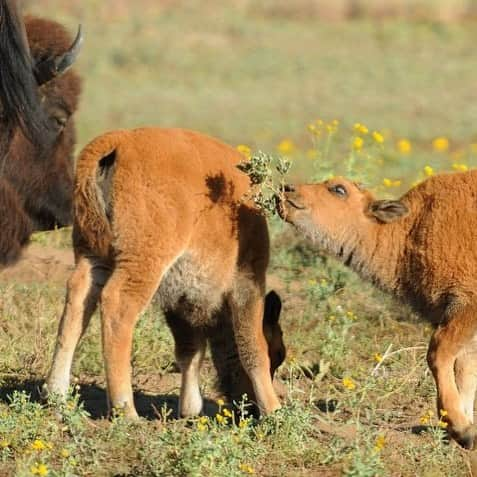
(421, 249)
(162, 212)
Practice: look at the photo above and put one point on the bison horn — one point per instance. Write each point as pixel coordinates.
(51, 67)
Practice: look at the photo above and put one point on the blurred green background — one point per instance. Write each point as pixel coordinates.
(257, 72)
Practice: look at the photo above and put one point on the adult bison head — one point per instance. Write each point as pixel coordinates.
(38, 97)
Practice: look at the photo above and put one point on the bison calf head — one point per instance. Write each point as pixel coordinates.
(232, 378)
(336, 213)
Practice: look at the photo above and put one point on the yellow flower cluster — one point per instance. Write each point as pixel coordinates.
(440, 144)
(460, 167)
(5, 443)
(39, 469)
(360, 128)
(351, 315)
(404, 146)
(378, 137)
(319, 126)
(286, 147)
(390, 183)
(248, 469)
(358, 143)
(428, 171)
(348, 383)
(245, 150)
(379, 443)
(426, 418)
(203, 423)
(378, 357)
(39, 445)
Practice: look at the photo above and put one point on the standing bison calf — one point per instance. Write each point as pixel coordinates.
(160, 211)
(421, 248)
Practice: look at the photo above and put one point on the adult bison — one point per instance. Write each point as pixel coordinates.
(37, 133)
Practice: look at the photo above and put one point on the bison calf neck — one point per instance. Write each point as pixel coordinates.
(420, 248)
(162, 212)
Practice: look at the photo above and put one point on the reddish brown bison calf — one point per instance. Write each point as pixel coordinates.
(422, 249)
(161, 211)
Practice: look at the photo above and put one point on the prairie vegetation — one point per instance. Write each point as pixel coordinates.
(271, 77)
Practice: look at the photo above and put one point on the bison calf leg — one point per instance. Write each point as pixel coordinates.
(82, 294)
(126, 294)
(447, 342)
(190, 344)
(247, 306)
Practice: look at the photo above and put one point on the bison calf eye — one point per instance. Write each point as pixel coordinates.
(338, 190)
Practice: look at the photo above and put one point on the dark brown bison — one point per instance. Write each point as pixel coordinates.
(37, 133)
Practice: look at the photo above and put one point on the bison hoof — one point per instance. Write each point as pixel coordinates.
(466, 438)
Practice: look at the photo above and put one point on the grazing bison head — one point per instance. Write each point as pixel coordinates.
(37, 100)
(232, 378)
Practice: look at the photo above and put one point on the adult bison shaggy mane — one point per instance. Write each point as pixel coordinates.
(37, 133)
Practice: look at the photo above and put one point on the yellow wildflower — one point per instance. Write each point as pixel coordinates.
(220, 419)
(245, 150)
(390, 183)
(429, 171)
(39, 469)
(247, 469)
(440, 144)
(379, 443)
(442, 424)
(201, 427)
(332, 127)
(358, 143)
(378, 357)
(426, 417)
(378, 137)
(332, 318)
(38, 445)
(286, 147)
(312, 128)
(404, 146)
(243, 423)
(348, 383)
(443, 412)
(220, 402)
(4, 443)
(360, 128)
(460, 167)
(65, 453)
(227, 413)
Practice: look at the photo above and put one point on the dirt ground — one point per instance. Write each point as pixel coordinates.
(40, 263)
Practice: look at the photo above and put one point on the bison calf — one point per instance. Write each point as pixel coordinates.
(161, 212)
(421, 248)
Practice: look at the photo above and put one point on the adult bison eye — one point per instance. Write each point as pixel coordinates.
(338, 190)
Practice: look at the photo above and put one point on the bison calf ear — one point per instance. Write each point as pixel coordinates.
(273, 307)
(387, 211)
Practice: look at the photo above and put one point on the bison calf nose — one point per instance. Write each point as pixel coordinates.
(289, 188)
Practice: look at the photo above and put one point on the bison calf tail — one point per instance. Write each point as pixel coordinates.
(90, 205)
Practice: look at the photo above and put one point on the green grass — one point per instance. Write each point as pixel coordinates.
(253, 76)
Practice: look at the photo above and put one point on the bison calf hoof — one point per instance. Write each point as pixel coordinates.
(465, 438)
